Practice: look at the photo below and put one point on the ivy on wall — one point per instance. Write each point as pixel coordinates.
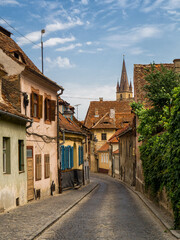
(159, 131)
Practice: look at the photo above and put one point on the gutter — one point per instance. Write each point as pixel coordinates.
(15, 116)
(44, 77)
(78, 133)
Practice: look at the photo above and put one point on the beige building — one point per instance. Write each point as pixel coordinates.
(13, 167)
(34, 95)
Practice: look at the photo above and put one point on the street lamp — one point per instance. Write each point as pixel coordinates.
(42, 32)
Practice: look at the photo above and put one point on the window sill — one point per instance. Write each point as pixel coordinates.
(5, 173)
(38, 180)
(36, 119)
(21, 172)
(46, 177)
(48, 122)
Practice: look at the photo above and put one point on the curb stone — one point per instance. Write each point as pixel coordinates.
(49, 224)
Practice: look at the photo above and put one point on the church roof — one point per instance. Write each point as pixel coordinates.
(124, 85)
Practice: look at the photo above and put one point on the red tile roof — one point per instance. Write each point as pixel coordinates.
(7, 108)
(9, 46)
(104, 148)
(104, 119)
(116, 152)
(68, 125)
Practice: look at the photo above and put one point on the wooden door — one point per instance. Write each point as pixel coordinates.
(30, 174)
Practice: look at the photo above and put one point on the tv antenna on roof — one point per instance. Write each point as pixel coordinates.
(77, 105)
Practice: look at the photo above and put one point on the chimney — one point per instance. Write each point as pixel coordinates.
(177, 65)
(101, 99)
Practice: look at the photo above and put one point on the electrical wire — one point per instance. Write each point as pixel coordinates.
(84, 98)
(19, 32)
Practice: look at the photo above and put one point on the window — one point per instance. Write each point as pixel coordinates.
(36, 104)
(66, 157)
(49, 109)
(106, 157)
(46, 166)
(38, 166)
(120, 96)
(21, 155)
(80, 155)
(103, 136)
(6, 155)
(102, 157)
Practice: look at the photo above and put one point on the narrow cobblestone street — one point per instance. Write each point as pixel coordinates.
(110, 212)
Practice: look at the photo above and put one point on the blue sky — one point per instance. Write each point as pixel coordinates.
(85, 40)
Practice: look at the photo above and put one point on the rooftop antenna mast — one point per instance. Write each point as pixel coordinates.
(77, 105)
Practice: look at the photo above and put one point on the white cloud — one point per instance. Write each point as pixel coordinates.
(153, 6)
(70, 47)
(136, 51)
(59, 62)
(33, 36)
(133, 36)
(88, 43)
(55, 41)
(8, 2)
(57, 25)
(81, 93)
(84, 2)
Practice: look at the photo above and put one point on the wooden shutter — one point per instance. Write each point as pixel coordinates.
(32, 104)
(62, 158)
(82, 153)
(46, 166)
(52, 110)
(71, 158)
(79, 153)
(38, 166)
(40, 104)
(45, 109)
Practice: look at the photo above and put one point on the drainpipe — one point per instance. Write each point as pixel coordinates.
(58, 145)
(119, 159)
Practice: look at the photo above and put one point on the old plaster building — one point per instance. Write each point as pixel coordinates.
(73, 146)
(33, 94)
(103, 118)
(13, 168)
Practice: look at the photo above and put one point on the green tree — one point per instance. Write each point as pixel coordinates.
(159, 131)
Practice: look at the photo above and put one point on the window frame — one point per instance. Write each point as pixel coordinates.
(6, 150)
(46, 166)
(21, 155)
(38, 167)
(103, 136)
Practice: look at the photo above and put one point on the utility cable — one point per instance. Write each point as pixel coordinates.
(19, 32)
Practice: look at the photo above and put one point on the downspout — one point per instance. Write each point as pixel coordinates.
(30, 124)
(119, 158)
(58, 146)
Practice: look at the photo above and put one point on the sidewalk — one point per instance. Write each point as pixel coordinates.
(28, 221)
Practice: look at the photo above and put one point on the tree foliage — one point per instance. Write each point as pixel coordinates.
(159, 131)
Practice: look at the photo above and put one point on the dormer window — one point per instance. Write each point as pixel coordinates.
(16, 55)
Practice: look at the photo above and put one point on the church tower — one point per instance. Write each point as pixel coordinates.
(123, 90)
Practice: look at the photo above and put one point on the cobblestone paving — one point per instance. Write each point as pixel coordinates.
(111, 212)
(25, 222)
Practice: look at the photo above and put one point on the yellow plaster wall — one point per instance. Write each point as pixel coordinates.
(97, 132)
(104, 165)
(75, 144)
